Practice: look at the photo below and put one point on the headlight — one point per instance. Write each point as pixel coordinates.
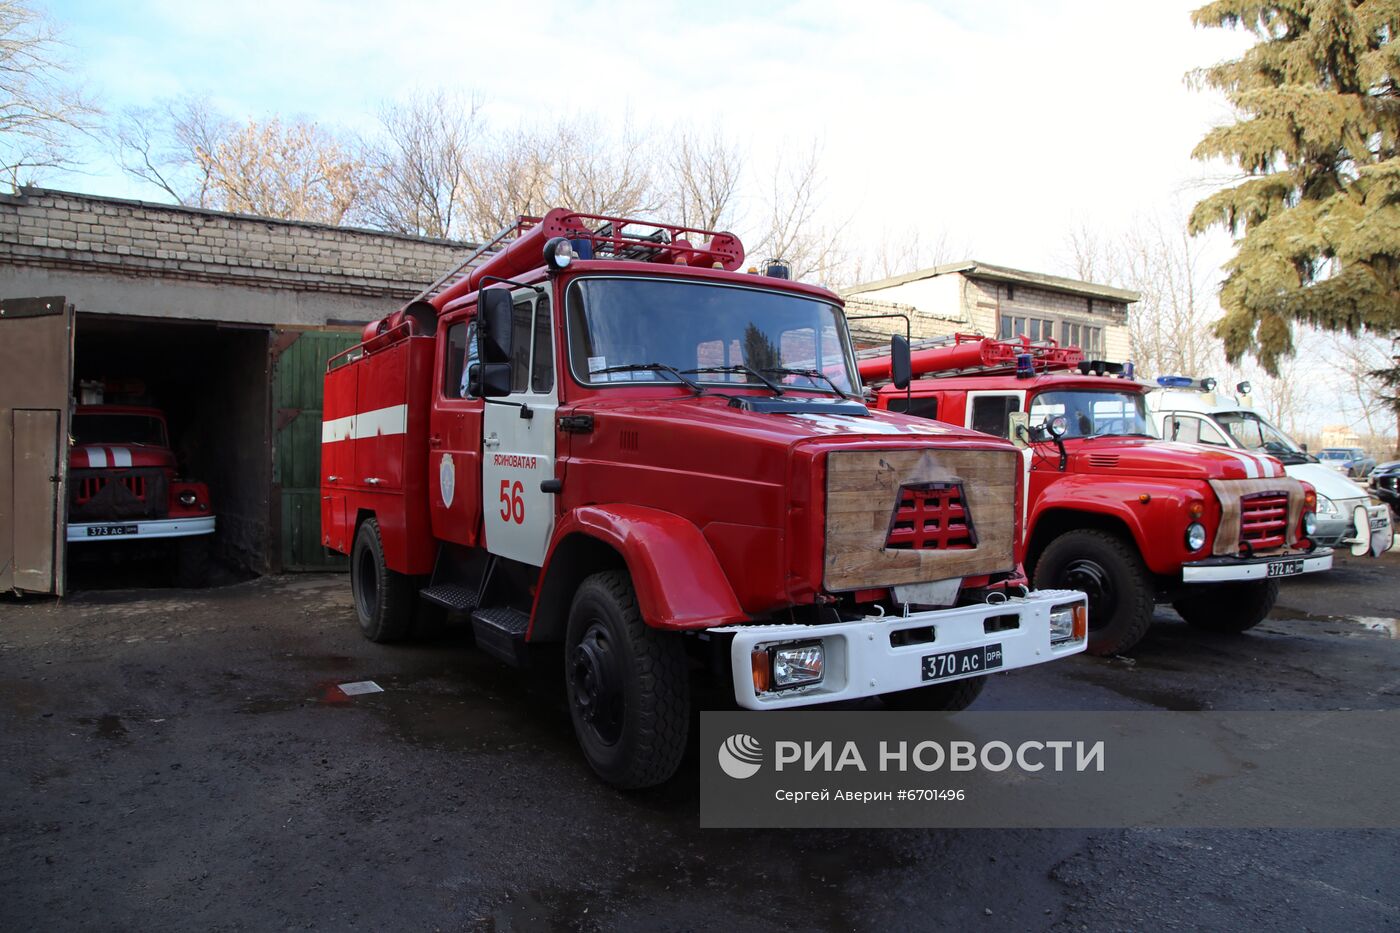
(1195, 536)
(1310, 523)
(801, 664)
(1326, 506)
(188, 498)
(1068, 623)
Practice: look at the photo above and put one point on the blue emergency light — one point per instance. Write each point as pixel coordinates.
(1025, 368)
(1175, 382)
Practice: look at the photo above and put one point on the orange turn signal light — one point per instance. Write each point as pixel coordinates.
(1081, 621)
(762, 672)
(1196, 509)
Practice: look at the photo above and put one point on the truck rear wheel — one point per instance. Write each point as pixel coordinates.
(948, 698)
(1110, 570)
(628, 685)
(384, 599)
(1228, 607)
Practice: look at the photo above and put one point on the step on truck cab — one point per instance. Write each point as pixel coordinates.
(1196, 411)
(124, 486)
(600, 434)
(1111, 508)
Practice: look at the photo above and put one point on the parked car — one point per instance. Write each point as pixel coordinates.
(1352, 461)
(1185, 412)
(1385, 484)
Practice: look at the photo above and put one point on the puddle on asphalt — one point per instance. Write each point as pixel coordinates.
(1388, 627)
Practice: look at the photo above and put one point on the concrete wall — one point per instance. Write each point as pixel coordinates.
(131, 257)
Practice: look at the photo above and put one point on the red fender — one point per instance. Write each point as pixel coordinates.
(678, 579)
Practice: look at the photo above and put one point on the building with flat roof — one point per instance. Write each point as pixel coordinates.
(981, 298)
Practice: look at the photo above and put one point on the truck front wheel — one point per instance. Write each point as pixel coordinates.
(1111, 572)
(1228, 607)
(383, 598)
(628, 686)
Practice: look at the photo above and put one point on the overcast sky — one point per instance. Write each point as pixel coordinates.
(1002, 123)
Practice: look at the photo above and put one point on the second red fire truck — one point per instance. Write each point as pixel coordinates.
(603, 435)
(1111, 509)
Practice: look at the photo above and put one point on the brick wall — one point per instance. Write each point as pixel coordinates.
(68, 231)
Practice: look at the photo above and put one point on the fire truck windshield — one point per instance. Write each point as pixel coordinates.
(112, 428)
(1093, 412)
(716, 334)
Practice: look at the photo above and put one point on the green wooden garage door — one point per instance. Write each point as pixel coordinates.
(299, 363)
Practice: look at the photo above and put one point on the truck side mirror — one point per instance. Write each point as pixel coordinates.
(489, 380)
(901, 367)
(494, 326)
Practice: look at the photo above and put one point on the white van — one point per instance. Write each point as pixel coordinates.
(1191, 411)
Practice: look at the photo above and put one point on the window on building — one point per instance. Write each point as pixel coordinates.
(989, 413)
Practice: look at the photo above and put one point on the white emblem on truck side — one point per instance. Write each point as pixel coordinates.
(447, 479)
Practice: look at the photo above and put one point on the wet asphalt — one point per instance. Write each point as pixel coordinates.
(184, 760)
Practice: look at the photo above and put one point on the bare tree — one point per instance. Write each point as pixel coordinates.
(40, 113)
(419, 167)
(576, 163)
(897, 252)
(1170, 325)
(291, 171)
(1356, 360)
(702, 174)
(793, 225)
(171, 147)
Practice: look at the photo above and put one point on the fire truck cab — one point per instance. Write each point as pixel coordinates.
(600, 434)
(1111, 509)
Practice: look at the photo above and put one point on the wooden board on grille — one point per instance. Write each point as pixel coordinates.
(862, 489)
(1231, 492)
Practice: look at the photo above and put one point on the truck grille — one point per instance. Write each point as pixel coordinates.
(1264, 520)
(101, 495)
(930, 516)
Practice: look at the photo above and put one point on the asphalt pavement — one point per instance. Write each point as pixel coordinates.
(184, 760)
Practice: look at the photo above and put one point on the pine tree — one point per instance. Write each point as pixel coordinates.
(1317, 136)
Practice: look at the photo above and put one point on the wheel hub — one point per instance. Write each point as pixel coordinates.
(595, 675)
(1096, 582)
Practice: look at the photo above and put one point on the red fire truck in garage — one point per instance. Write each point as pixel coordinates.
(601, 434)
(125, 489)
(1111, 509)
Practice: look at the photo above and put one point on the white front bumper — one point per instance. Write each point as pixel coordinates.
(862, 662)
(1224, 570)
(142, 528)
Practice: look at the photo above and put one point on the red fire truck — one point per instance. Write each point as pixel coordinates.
(601, 434)
(124, 487)
(1111, 509)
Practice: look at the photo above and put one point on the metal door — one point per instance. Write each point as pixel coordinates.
(517, 452)
(299, 366)
(36, 375)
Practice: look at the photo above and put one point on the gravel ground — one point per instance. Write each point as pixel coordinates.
(183, 760)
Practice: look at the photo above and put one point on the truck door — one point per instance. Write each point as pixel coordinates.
(36, 376)
(454, 439)
(518, 452)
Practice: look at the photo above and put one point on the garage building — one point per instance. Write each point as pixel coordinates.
(224, 321)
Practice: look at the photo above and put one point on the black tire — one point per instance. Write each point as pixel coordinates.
(948, 698)
(1228, 607)
(628, 685)
(1110, 570)
(192, 562)
(384, 599)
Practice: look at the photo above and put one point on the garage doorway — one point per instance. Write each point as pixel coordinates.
(211, 381)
